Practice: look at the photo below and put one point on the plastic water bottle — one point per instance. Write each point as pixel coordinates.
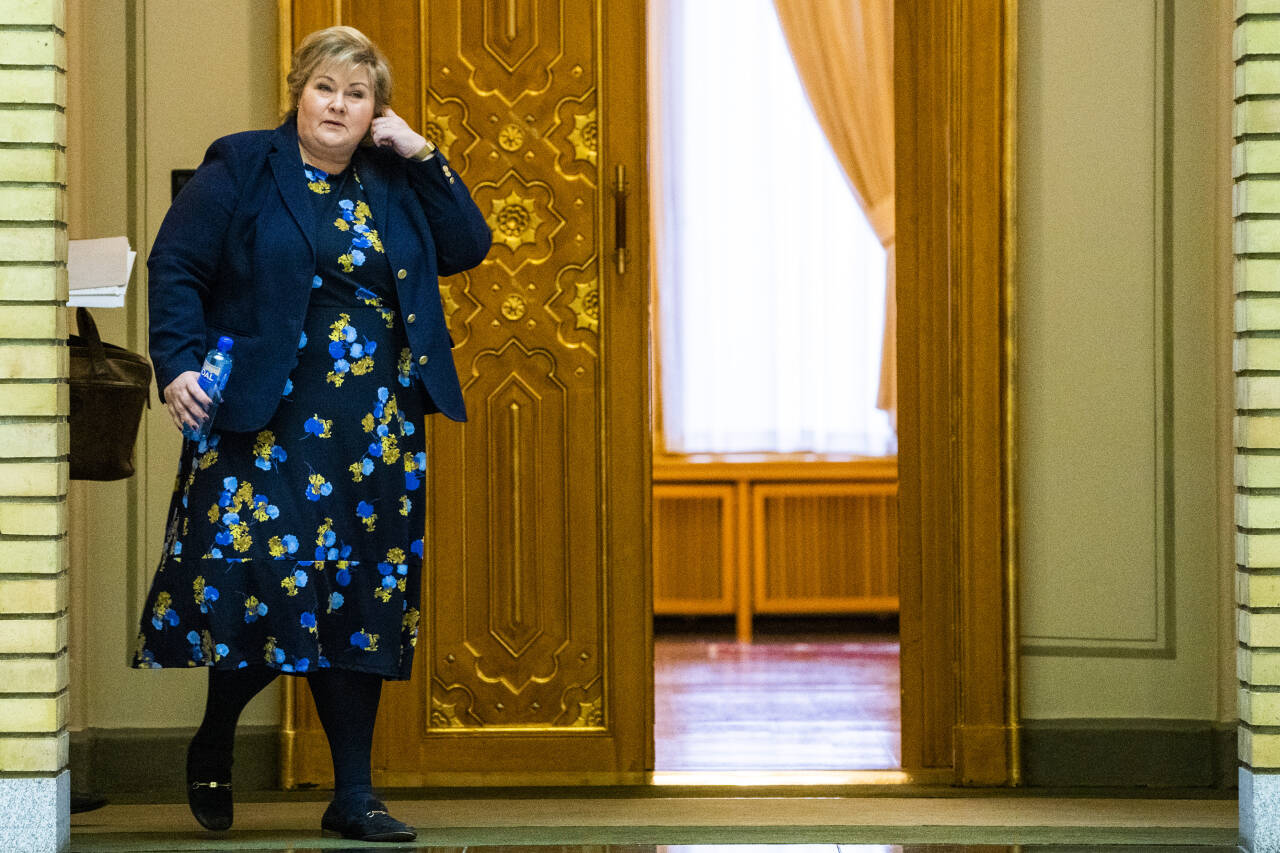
(213, 379)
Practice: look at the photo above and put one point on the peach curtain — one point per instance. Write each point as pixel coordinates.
(843, 50)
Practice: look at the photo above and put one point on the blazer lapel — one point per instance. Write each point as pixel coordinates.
(286, 165)
(375, 184)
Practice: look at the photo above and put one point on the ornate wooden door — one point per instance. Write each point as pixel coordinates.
(535, 655)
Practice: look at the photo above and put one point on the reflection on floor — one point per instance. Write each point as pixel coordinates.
(825, 698)
(572, 822)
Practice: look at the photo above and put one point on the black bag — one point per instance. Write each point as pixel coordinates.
(109, 385)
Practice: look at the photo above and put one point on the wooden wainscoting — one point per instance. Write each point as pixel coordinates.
(774, 534)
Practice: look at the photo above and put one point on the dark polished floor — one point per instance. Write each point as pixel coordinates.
(804, 695)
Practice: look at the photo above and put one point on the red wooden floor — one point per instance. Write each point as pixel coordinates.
(798, 702)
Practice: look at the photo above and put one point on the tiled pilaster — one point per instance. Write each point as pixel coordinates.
(33, 426)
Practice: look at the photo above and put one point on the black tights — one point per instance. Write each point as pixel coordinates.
(347, 703)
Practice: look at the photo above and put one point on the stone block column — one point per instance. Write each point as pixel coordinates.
(1256, 207)
(34, 781)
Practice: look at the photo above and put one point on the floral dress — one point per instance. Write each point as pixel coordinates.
(300, 546)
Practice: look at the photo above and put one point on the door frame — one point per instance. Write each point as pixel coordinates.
(955, 72)
(955, 97)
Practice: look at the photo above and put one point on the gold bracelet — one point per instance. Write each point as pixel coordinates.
(428, 151)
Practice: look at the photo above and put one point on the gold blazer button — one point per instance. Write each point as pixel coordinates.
(411, 318)
(401, 274)
(422, 359)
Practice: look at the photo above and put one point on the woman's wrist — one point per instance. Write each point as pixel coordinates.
(426, 152)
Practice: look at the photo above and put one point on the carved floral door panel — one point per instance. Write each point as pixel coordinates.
(534, 655)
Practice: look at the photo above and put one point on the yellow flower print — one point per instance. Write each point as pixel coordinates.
(290, 585)
(269, 650)
(319, 187)
(323, 531)
(363, 366)
(410, 624)
(198, 586)
(382, 594)
(405, 505)
(341, 224)
(263, 443)
(390, 449)
(348, 263)
(336, 328)
(362, 212)
(207, 460)
(215, 513)
(395, 555)
(240, 538)
(163, 602)
(275, 546)
(365, 640)
(367, 422)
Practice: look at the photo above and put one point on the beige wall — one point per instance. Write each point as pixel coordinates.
(1124, 376)
(1123, 592)
(199, 70)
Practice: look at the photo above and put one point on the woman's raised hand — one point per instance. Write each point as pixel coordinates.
(391, 131)
(186, 401)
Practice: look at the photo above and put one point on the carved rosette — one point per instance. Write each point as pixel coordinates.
(514, 220)
(586, 305)
(511, 137)
(584, 137)
(513, 307)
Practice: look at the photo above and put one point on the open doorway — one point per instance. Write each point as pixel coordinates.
(775, 542)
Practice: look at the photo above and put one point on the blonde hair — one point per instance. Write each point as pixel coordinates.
(343, 46)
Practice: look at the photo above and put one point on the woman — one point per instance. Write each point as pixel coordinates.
(294, 541)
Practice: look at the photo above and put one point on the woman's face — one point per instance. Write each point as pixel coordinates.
(335, 110)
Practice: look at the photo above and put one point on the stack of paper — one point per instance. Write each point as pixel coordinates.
(98, 271)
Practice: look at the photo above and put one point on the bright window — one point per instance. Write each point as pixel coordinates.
(771, 281)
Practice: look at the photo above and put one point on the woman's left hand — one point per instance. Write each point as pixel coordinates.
(391, 131)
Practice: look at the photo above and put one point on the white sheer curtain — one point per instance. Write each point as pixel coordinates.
(770, 280)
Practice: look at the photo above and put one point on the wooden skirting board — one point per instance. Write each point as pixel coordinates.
(796, 534)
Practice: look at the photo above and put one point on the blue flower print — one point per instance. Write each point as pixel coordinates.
(342, 578)
(288, 387)
(268, 454)
(369, 518)
(365, 640)
(253, 608)
(302, 341)
(162, 613)
(349, 354)
(416, 547)
(294, 582)
(197, 653)
(221, 650)
(308, 620)
(336, 599)
(316, 281)
(318, 426)
(317, 180)
(318, 487)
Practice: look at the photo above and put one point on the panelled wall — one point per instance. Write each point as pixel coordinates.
(1123, 381)
(34, 782)
(774, 535)
(1256, 164)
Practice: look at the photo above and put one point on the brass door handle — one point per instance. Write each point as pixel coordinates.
(620, 192)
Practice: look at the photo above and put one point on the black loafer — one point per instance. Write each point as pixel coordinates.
(365, 820)
(209, 791)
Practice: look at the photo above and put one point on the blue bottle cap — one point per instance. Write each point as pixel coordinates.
(224, 343)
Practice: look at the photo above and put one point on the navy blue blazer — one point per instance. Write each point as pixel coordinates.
(236, 253)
